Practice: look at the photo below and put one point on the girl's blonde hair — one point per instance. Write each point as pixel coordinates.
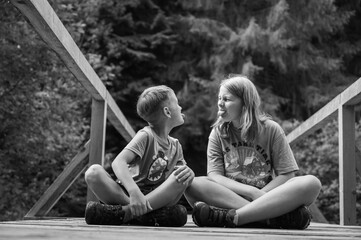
(252, 117)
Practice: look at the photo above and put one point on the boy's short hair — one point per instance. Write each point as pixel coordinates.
(150, 102)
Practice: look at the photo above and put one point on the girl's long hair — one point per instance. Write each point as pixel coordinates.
(252, 118)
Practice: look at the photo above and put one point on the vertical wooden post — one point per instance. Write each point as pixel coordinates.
(97, 137)
(347, 165)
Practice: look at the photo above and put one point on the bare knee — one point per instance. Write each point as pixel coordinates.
(199, 189)
(200, 180)
(312, 187)
(175, 184)
(93, 173)
(314, 183)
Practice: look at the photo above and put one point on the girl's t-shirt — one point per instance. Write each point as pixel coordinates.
(253, 164)
(155, 159)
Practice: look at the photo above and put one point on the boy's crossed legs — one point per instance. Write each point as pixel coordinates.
(162, 200)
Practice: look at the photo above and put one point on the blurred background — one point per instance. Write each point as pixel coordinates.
(300, 54)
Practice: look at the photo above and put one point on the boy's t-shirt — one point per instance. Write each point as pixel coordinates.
(253, 164)
(156, 159)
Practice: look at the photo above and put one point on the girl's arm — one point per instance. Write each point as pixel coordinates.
(279, 180)
(139, 205)
(215, 169)
(284, 162)
(244, 190)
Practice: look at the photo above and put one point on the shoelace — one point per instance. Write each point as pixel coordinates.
(217, 215)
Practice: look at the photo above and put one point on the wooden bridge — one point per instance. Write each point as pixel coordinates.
(76, 228)
(37, 226)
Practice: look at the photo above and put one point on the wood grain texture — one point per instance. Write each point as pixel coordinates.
(76, 228)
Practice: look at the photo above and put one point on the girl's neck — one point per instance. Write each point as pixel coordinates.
(237, 123)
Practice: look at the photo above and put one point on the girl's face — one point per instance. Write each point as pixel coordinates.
(229, 107)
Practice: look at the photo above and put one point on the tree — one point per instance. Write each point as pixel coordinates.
(41, 113)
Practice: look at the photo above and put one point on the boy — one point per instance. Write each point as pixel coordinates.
(152, 173)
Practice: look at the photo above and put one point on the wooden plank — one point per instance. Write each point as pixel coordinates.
(76, 228)
(317, 215)
(350, 96)
(61, 184)
(97, 137)
(316, 121)
(47, 24)
(358, 160)
(347, 166)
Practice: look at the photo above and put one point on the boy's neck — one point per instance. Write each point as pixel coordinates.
(161, 131)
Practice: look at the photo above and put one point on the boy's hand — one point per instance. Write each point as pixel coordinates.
(139, 205)
(184, 174)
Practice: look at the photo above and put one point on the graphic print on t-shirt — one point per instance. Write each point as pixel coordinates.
(158, 168)
(248, 165)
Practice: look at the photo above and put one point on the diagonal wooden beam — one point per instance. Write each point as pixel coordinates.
(350, 96)
(61, 184)
(47, 24)
(317, 215)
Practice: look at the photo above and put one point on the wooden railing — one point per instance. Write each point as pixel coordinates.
(45, 21)
(342, 106)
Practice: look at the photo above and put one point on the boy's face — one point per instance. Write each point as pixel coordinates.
(176, 110)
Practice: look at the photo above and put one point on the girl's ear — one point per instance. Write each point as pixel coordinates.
(167, 112)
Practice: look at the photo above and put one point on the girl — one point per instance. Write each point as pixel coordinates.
(251, 168)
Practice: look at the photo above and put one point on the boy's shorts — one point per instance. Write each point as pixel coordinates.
(144, 189)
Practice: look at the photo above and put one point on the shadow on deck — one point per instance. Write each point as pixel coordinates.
(76, 228)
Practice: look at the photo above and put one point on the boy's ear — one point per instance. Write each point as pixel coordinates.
(167, 112)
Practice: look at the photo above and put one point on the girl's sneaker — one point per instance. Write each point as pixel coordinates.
(299, 218)
(209, 216)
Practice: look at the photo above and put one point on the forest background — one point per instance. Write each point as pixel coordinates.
(300, 54)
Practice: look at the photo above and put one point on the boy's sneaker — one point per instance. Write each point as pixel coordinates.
(103, 214)
(209, 216)
(299, 218)
(173, 216)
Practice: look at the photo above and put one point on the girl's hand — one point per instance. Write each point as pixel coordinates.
(256, 193)
(184, 174)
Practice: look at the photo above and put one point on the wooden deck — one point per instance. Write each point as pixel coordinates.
(76, 228)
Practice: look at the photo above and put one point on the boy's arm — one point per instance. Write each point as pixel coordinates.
(139, 205)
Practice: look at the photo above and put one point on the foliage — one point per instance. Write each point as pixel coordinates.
(41, 123)
(291, 48)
